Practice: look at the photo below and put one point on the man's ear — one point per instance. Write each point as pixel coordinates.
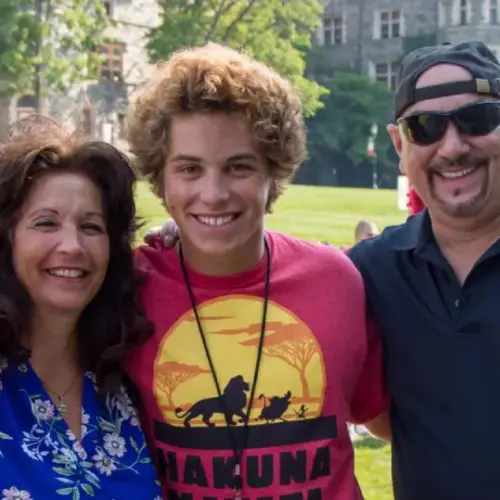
(397, 142)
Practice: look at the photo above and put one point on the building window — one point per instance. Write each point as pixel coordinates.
(389, 24)
(108, 7)
(111, 67)
(464, 12)
(333, 31)
(493, 11)
(386, 73)
(25, 106)
(442, 14)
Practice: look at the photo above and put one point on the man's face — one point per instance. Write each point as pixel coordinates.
(216, 183)
(458, 175)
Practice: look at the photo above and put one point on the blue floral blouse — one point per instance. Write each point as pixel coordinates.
(40, 458)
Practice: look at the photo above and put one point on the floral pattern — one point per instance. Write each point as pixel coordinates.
(110, 460)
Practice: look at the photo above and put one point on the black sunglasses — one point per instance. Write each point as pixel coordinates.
(476, 119)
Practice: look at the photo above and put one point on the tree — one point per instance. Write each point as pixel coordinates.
(171, 374)
(53, 40)
(276, 32)
(290, 343)
(338, 134)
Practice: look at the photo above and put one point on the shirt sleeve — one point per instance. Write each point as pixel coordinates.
(370, 397)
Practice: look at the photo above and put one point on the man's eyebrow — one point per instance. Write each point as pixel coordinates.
(185, 157)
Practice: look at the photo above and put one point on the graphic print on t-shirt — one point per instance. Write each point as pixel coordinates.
(288, 454)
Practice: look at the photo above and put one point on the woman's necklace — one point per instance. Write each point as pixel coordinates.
(62, 407)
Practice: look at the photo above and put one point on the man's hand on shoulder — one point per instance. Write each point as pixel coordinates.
(167, 235)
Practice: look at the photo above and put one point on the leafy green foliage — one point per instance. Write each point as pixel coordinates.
(276, 32)
(338, 134)
(60, 42)
(354, 104)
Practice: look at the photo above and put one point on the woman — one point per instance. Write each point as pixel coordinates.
(68, 313)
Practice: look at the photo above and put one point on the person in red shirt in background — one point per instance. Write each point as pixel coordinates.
(415, 203)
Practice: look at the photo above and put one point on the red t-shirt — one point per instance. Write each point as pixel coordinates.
(320, 368)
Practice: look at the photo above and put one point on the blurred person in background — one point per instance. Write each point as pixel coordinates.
(365, 229)
(415, 203)
(38, 126)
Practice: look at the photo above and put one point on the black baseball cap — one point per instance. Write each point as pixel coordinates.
(473, 55)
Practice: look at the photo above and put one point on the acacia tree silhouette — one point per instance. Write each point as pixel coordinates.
(171, 374)
(291, 343)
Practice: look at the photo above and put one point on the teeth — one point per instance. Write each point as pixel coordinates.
(66, 273)
(216, 221)
(456, 175)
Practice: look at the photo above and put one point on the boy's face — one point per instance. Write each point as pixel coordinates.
(216, 183)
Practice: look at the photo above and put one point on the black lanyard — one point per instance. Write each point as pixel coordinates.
(237, 450)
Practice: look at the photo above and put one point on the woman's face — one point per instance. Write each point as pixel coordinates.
(60, 243)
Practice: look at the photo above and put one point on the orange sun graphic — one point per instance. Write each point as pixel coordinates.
(291, 372)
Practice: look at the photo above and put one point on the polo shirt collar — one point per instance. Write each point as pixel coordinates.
(415, 233)
(416, 236)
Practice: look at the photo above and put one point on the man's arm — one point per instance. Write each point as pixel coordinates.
(380, 427)
(370, 401)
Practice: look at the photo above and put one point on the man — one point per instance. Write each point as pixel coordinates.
(434, 282)
(365, 229)
(260, 355)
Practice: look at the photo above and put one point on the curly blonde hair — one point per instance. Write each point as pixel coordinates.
(217, 78)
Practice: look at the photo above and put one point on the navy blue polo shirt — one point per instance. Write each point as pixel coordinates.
(442, 356)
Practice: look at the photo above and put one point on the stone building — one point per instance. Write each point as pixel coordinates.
(96, 108)
(373, 35)
(369, 35)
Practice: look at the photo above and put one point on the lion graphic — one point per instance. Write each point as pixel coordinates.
(235, 401)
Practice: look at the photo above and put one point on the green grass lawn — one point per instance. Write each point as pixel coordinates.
(311, 213)
(373, 462)
(324, 214)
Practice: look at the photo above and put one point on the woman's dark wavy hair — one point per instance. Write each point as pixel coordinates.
(114, 321)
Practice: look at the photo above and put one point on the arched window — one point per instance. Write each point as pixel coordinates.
(26, 105)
